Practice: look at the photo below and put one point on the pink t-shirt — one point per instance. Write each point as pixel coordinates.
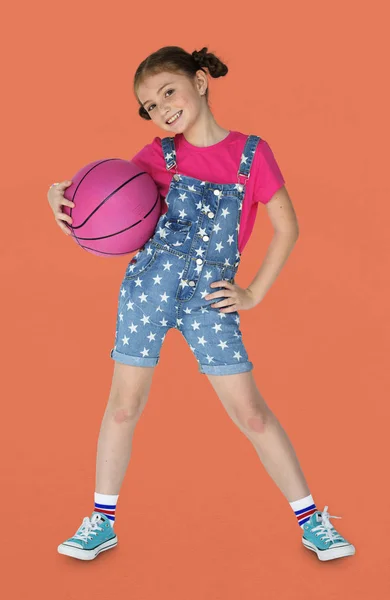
(217, 164)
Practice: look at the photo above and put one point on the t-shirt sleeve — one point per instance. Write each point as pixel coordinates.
(269, 177)
(149, 157)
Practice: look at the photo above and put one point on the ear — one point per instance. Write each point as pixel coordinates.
(201, 82)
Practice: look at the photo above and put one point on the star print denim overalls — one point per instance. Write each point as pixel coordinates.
(194, 244)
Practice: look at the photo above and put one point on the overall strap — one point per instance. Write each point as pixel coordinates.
(247, 157)
(169, 152)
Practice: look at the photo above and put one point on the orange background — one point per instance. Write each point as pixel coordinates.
(198, 517)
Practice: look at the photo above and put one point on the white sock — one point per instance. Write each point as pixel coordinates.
(106, 505)
(303, 509)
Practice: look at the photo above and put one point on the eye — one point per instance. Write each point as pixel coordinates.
(170, 90)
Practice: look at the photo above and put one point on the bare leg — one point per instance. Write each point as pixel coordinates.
(249, 411)
(128, 396)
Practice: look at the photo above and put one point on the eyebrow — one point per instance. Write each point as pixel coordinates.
(158, 91)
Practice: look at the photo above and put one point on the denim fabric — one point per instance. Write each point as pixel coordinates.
(194, 244)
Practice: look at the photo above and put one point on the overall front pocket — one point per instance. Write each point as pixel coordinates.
(228, 273)
(140, 263)
(176, 231)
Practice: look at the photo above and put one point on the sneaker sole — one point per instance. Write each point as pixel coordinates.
(87, 554)
(339, 552)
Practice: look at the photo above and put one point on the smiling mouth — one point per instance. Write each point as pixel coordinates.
(176, 118)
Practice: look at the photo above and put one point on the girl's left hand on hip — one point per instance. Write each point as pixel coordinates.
(235, 297)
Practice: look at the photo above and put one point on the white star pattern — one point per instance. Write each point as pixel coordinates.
(219, 217)
(162, 233)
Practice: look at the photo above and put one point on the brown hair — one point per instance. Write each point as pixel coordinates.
(176, 60)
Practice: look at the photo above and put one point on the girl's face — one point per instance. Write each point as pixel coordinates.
(168, 94)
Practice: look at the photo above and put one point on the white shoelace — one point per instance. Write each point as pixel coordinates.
(325, 528)
(88, 528)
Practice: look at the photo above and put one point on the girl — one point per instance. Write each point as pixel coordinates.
(184, 277)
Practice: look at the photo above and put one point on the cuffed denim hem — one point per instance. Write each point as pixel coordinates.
(136, 361)
(226, 369)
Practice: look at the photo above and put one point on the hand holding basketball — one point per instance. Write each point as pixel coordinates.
(56, 200)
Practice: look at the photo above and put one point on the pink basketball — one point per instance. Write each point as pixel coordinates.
(117, 206)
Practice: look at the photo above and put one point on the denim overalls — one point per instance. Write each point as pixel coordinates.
(194, 244)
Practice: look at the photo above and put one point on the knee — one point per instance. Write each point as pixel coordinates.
(254, 415)
(123, 415)
(124, 409)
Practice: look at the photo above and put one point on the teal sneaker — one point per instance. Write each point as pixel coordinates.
(321, 537)
(94, 535)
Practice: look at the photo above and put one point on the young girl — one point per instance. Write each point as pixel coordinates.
(212, 180)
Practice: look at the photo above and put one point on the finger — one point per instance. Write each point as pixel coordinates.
(223, 283)
(64, 228)
(230, 309)
(65, 202)
(227, 302)
(63, 184)
(63, 217)
(219, 294)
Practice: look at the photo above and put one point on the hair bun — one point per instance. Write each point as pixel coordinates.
(199, 56)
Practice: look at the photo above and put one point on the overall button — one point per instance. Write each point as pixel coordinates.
(217, 192)
(205, 238)
(199, 261)
(210, 215)
(192, 283)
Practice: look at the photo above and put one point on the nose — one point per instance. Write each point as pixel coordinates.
(165, 111)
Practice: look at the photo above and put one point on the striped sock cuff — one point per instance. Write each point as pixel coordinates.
(106, 504)
(303, 509)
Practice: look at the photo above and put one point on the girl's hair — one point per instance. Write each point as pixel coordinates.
(176, 60)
